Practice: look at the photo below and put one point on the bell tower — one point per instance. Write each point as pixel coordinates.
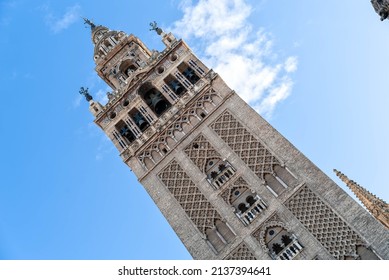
(228, 183)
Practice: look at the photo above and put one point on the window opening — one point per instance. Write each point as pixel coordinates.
(154, 99)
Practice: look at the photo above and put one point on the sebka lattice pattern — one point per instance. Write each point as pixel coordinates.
(245, 145)
(328, 228)
(194, 203)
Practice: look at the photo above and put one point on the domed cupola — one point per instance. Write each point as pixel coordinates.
(104, 40)
(120, 58)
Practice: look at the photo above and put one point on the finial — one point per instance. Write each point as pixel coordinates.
(84, 91)
(155, 27)
(90, 23)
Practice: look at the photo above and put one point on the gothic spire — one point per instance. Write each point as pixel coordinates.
(376, 206)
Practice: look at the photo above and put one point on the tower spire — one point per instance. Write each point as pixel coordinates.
(376, 206)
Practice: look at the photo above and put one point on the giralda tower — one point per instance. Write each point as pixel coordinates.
(228, 183)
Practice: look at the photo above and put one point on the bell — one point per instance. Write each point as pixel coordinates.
(190, 75)
(176, 87)
(126, 132)
(140, 121)
(157, 102)
(160, 107)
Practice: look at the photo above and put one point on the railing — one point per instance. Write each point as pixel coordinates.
(252, 212)
(290, 251)
(222, 177)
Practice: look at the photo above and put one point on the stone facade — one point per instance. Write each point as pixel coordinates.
(228, 183)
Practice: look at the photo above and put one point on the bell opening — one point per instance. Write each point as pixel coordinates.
(154, 99)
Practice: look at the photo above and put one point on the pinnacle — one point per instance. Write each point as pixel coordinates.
(369, 200)
(355, 187)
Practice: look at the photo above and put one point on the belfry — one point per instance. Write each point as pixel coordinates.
(228, 183)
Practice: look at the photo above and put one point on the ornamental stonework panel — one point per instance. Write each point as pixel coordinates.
(238, 187)
(200, 151)
(245, 145)
(194, 203)
(242, 252)
(259, 234)
(218, 171)
(181, 126)
(246, 203)
(328, 228)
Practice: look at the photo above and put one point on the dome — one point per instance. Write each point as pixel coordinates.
(103, 39)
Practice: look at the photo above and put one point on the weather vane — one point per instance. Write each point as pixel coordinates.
(90, 23)
(84, 91)
(155, 27)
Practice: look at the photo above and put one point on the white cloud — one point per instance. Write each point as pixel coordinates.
(101, 95)
(212, 18)
(275, 95)
(220, 33)
(58, 24)
(291, 64)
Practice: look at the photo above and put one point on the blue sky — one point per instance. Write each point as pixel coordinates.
(317, 71)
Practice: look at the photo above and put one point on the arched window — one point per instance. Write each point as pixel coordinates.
(216, 241)
(127, 68)
(286, 239)
(247, 204)
(277, 248)
(188, 73)
(274, 185)
(285, 175)
(281, 244)
(175, 85)
(139, 119)
(125, 131)
(242, 207)
(225, 231)
(219, 235)
(250, 200)
(154, 99)
(218, 172)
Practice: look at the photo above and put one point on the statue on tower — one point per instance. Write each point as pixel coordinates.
(155, 27)
(84, 91)
(381, 7)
